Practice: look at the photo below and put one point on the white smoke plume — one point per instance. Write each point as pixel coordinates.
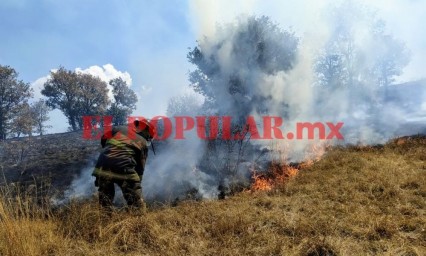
(297, 91)
(82, 187)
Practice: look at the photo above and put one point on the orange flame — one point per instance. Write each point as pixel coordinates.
(275, 176)
(280, 172)
(261, 183)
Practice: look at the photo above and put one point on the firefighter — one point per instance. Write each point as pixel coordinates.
(122, 162)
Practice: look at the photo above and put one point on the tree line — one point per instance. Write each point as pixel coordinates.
(359, 58)
(75, 94)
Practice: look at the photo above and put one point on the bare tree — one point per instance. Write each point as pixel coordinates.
(40, 112)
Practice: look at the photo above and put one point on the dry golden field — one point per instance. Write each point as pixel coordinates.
(356, 200)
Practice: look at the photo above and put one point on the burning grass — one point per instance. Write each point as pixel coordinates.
(276, 175)
(354, 201)
(280, 171)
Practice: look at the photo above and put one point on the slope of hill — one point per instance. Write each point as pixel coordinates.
(354, 201)
(51, 160)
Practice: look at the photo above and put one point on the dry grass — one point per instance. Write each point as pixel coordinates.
(354, 201)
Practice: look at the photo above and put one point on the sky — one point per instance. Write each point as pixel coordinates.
(146, 42)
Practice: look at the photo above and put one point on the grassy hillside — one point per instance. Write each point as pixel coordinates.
(354, 201)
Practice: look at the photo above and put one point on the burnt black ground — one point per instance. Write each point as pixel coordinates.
(52, 160)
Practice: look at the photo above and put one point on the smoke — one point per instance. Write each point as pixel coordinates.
(251, 67)
(173, 174)
(82, 187)
(355, 71)
(340, 71)
(207, 14)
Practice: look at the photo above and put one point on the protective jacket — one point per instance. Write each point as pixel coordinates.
(123, 155)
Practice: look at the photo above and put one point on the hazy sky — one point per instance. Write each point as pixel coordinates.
(147, 41)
